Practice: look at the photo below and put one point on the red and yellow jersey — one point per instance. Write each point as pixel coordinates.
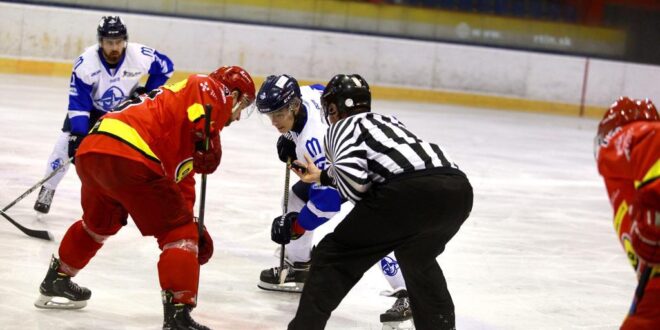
(629, 161)
(158, 130)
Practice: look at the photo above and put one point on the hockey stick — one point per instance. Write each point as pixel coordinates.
(41, 234)
(643, 280)
(287, 176)
(202, 193)
(37, 185)
(641, 287)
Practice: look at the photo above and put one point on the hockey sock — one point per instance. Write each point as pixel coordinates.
(77, 248)
(178, 272)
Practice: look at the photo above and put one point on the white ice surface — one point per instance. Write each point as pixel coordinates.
(538, 251)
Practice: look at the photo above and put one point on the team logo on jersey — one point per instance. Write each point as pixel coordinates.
(183, 169)
(205, 86)
(206, 89)
(390, 266)
(630, 251)
(110, 98)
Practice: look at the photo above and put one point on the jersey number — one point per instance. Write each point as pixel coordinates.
(147, 51)
(314, 148)
(79, 61)
(136, 100)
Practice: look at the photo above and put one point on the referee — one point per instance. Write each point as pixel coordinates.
(409, 198)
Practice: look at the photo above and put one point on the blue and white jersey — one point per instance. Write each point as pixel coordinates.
(324, 202)
(310, 138)
(97, 86)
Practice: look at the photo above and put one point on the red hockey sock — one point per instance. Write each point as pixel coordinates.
(77, 247)
(178, 271)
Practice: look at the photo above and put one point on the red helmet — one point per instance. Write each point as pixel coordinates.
(624, 111)
(234, 77)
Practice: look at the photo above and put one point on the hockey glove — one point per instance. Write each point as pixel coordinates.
(646, 224)
(286, 228)
(138, 91)
(74, 143)
(646, 234)
(205, 247)
(207, 161)
(286, 149)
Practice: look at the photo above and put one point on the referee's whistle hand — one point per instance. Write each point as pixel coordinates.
(307, 171)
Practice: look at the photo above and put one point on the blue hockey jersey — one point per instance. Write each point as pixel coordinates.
(95, 86)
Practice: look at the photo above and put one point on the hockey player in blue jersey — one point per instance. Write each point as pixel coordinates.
(103, 76)
(295, 111)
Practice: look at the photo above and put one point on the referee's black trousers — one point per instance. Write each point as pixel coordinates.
(414, 216)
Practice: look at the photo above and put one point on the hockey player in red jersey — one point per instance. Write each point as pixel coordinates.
(140, 160)
(628, 156)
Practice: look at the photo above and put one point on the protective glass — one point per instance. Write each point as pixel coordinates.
(281, 113)
(244, 104)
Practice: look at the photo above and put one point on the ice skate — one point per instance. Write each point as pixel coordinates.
(399, 317)
(59, 292)
(294, 277)
(45, 198)
(177, 315)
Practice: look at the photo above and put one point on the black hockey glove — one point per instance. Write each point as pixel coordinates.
(74, 143)
(286, 149)
(137, 92)
(286, 228)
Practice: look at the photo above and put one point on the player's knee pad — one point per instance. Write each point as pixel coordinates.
(178, 271)
(78, 247)
(188, 231)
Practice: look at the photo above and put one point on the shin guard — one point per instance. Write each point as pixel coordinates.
(78, 247)
(178, 272)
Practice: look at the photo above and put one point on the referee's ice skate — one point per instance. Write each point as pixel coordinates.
(400, 315)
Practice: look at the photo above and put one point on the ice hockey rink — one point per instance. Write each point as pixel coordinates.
(538, 251)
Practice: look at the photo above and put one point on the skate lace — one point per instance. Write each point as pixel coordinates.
(400, 305)
(73, 287)
(185, 314)
(287, 266)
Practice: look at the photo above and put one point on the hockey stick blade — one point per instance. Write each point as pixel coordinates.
(41, 234)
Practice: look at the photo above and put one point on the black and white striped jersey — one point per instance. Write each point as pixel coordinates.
(370, 148)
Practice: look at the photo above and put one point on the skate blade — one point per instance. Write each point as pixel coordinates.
(286, 287)
(47, 302)
(399, 325)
